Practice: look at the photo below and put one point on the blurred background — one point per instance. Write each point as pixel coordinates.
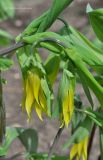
(26, 11)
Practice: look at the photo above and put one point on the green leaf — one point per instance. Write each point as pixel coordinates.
(11, 135)
(44, 156)
(80, 133)
(56, 8)
(28, 140)
(91, 82)
(7, 10)
(5, 37)
(48, 94)
(89, 53)
(96, 19)
(85, 87)
(95, 116)
(44, 21)
(5, 63)
(52, 67)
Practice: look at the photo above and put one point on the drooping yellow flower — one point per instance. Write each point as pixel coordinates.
(68, 106)
(33, 94)
(68, 103)
(79, 150)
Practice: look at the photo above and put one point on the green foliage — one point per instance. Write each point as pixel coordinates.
(5, 63)
(28, 138)
(78, 60)
(5, 38)
(45, 156)
(96, 19)
(80, 133)
(6, 9)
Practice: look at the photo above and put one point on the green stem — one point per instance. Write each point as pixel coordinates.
(91, 140)
(56, 139)
(2, 113)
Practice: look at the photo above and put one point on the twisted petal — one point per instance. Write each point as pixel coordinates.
(38, 111)
(35, 82)
(68, 106)
(85, 145)
(42, 100)
(73, 151)
(29, 97)
(79, 150)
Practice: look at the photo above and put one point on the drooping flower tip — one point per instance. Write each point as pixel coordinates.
(33, 95)
(79, 150)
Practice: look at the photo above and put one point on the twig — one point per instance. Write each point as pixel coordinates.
(53, 146)
(6, 51)
(91, 140)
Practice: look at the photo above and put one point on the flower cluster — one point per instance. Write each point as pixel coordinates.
(79, 150)
(34, 96)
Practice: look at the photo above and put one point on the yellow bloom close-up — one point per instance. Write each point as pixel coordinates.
(79, 150)
(68, 106)
(33, 95)
(68, 100)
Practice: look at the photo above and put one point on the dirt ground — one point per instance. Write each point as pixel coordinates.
(25, 12)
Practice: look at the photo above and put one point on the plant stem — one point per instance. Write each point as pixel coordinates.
(2, 113)
(53, 146)
(5, 52)
(91, 140)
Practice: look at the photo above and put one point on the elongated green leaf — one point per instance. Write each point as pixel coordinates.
(80, 133)
(96, 19)
(85, 87)
(89, 53)
(5, 63)
(92, 83)
(95, 116)
(33, 26)
(56, 8)
(48, 94)
(44, 21)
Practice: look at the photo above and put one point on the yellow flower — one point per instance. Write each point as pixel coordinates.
(68, 106)
(79, 150)
(68, 103)
(34, 95)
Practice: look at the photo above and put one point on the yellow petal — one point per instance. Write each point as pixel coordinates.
(73, 151)
(71, 101)
(35, 83)
(42, 100)
(66, 110)
(38, 111)
(80, 147)
(29, 98)
(85, 145)
(68, 106)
